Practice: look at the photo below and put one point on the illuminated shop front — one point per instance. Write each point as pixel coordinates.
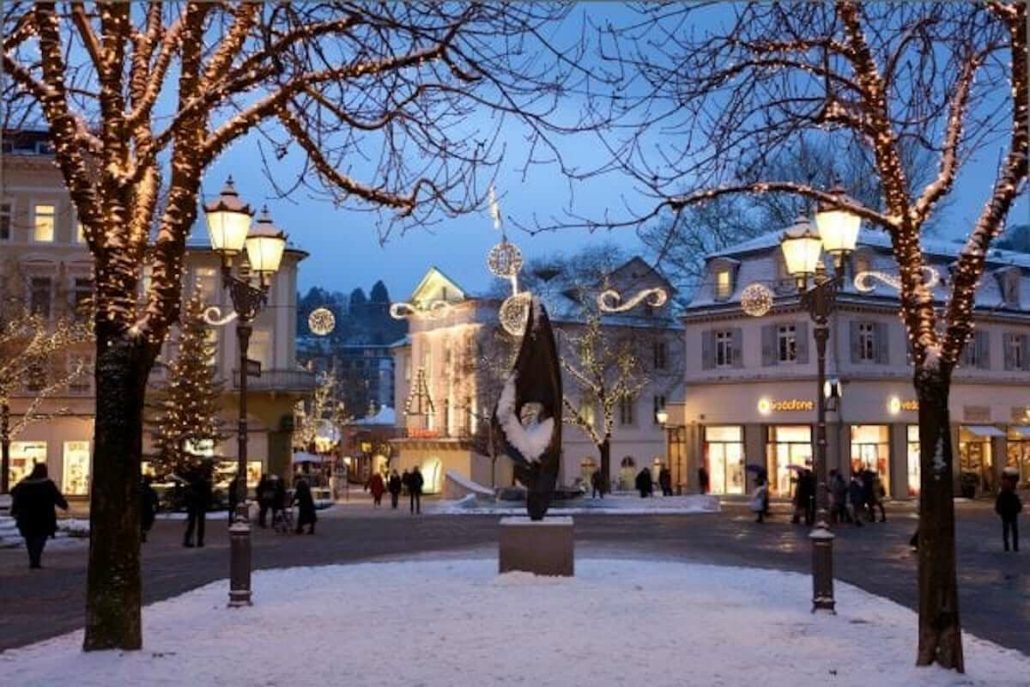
(976, 458)
(724, 458)
(788, 445)
(25, 454)
(912, 455)
(870, 450)
(76, 471)
(1018, 452)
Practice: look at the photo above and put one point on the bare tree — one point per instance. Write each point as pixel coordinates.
(948, 79)
(393, 106)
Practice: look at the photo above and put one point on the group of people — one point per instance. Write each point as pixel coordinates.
(272, 497)
(858, 498)
(645, 482)
(411, 481)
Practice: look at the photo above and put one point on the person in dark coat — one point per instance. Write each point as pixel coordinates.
(596, 484)
(278, 504)
(394, 486)
(376, 487)
(265, 497)
(702, 479)
(759, 503)
(1008, 505)
(804, 503)
(872, 488)
(32, 506)
(148, 508)
(644, 483)
(198, 500)
(305, 506)
(415, 484)
(856, 500)
(665, 481)
(839, 496)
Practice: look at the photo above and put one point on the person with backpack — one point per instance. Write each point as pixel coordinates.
(32, 506)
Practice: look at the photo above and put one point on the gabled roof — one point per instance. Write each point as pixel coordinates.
(436, 286)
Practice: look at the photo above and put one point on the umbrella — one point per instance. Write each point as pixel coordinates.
(797, 468)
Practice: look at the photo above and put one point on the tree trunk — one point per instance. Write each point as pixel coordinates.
(113, 595)
(605, 450)
(5, 448)
(940, 635)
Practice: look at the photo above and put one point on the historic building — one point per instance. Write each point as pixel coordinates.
(750, 381)
(450, 369)
(45, 261)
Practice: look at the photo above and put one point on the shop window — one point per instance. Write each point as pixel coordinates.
(870, 450)
(40, 296)
(6, 212)
(789, 445)
(1017, 351)
(76, 468)
(1018, 452)
(43, 223)
(627, 405)
(25, 454)
(912, 449)
(786, 343)
(724, 459)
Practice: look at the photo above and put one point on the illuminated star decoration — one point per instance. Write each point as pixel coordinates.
(321, 322)
(505, 261)
(611, 300)
(756, 299)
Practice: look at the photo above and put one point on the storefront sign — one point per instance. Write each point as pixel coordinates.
(768, 405)
(895, 405)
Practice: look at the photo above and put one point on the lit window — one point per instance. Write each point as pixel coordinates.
(43, 223)
(724, 349)
(80, 233)
(723, 285)
(787, 343)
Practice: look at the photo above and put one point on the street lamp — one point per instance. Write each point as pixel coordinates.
(231, 233)
(837, 235)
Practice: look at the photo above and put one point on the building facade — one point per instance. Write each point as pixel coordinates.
(451, 367)
(750, 381)
(44, 259)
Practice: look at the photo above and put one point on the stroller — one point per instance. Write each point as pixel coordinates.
(282, 520)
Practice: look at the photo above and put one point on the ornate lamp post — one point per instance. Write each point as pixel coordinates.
(231, 233)
(802, 246)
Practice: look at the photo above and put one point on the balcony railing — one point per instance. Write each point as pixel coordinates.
(278, 380)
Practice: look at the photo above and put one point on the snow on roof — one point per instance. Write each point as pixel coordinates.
(385, 416)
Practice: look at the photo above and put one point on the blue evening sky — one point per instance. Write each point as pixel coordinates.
(345, 251)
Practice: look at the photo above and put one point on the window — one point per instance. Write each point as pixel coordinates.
(626, 410)
(40, 289)
(82, 297)
(866, 341)
(724, 349)
(786, 343)
(80, 383)
(207, 283)
(80, 233)
(659, 404)
(659, 355)
(43, 223)
(977, 351)
(1017, 350)
(35, 377)
(5, 221)
(723, 284)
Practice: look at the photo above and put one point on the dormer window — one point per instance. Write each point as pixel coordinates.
(724, 272)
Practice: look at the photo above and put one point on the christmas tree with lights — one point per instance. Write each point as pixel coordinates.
(187, 419)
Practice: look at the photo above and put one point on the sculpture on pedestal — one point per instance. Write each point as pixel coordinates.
(527, 417)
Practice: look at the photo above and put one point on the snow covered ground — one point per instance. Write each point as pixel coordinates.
(70, 532)
(454, 622)
(620, 504)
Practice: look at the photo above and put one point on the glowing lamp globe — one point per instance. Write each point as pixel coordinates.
(801, 248)
(228, 221)
(838, 228)
(662, 416)
(265, 245)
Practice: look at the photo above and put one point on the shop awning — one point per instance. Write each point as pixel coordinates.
(983, 430)
(1021, 431)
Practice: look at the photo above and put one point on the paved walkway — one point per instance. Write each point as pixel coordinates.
(994, 586)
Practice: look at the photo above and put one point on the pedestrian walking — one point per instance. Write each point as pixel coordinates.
(198, 500)
(376, 487)
(305, 506)
(665, 481)
(279, 498)
(759, 503)
(596, 484)
(415, 483)
(702, 479)
(32, 506)
(265, 498)
(1008, 505)
(148, 507)
(644, 483)
(394, 486)
(839, 498)
(856, 500)
(804, 498)
(877, 494)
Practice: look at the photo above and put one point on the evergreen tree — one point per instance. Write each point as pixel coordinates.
(188, 404)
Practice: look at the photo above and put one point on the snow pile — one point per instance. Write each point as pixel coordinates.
(529, 441)
(620, 505)
(70, 531)
(440, 623)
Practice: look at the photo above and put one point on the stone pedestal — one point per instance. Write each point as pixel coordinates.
(545, 547)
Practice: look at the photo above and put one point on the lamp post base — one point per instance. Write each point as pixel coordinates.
(822, 569)
(239, 558)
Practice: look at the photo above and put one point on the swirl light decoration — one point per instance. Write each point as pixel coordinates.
(756, 299)
(321, 321)
(865, 281)
(434, 310)
(611, 300)
(213, 316)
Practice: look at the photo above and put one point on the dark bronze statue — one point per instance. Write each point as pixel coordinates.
(528, 414)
